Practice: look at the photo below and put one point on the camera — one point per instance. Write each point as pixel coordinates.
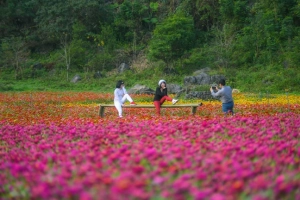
(214, 87)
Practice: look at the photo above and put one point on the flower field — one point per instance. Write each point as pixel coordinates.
(55, 146)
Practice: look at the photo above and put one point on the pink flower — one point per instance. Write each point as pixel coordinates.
(201, 175)
(85, 196)
(259, 197)
(259, 183)
(150, 152)
(163, 164)
(279, 179)
(158, 180)
(202, 194)
(138, 169)
(217, 196)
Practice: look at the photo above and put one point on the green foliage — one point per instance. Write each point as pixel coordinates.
(16, 16)
(134, 18)
(252, 43)
(276, 80)
(101, 61)
(205, 13)
(58, 17)
(14, 54)
(227, 10)
(6, 86)
(79, 47)
(198, 57)
(151, 19)
(202, 88)
(172, 38)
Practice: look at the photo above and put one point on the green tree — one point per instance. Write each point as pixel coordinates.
(15, 54)
(106, 48)
(81, 48)
(16, 17)
(222, 45)
(133, 20)
(204, 12)
(172, 38)
(74, 48)
(56, 17)
(65, 43)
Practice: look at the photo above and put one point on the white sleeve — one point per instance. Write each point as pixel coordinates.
(125, 92)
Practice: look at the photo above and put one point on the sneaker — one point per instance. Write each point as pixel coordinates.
(174, 101)
(133, 103)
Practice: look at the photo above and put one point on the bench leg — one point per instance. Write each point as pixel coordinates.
(101, 111)
(194, 108)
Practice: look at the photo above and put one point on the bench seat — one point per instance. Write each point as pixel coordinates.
(192, 106)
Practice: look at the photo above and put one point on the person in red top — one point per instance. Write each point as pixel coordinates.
(161, 95)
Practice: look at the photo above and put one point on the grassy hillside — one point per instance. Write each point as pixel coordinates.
(246, 80)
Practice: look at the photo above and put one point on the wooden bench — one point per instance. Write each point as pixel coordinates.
(192, 106)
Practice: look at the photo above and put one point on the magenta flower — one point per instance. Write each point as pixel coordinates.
(158, 180)
(138, 169)
(217, 196)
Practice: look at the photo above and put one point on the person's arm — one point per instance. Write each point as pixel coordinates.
(161, 93)
(124, 90)
(216, 94)
(165, 91)
(157, 92)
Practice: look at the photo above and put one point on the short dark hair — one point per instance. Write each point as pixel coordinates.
(222, 81)
(119, 83)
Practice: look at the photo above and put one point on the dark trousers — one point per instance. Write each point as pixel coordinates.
(228, 107)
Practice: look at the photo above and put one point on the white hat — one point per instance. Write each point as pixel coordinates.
(160, 82)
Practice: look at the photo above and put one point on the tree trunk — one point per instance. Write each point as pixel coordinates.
(66, 46)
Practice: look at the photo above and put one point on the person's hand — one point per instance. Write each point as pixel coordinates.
(211, 89)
